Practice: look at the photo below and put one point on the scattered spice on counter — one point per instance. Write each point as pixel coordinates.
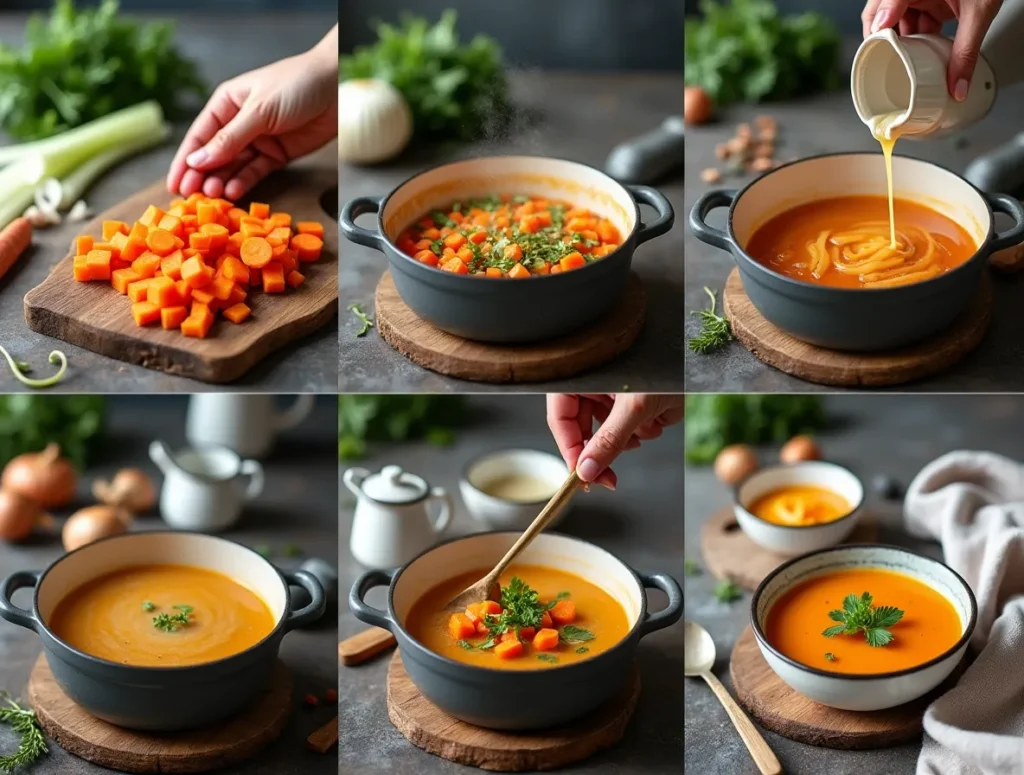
(746, 152)
(311, 700)
(331, 697)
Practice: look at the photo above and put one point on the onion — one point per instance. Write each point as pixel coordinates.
(735, 463)
(45, 477)
(93, 523)
(374, 121)
(19, 516)
(799, 448)
(697, 106)
(131, 489)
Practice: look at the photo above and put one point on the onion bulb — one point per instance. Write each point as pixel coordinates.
(45, 477)
(19, 516)
(374, 121)
(799, 448)
(131, 489)
(93, 523)
(735, 463)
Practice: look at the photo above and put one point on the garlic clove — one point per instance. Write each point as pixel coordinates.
(79, 212)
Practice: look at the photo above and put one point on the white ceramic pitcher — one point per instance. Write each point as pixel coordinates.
(393, 521)
(205, 487)
(246, 423)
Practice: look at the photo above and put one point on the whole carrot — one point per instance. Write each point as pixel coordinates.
(14, 240)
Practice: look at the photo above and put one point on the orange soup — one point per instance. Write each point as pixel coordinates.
(928, 627)
(162, 616)
(800, 505)
(844, 242)
(547, 617)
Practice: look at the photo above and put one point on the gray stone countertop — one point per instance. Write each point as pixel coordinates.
(639, 522)
(299, 506)
(823, 125)
(307, 365)
(578, 117)
(893, 435)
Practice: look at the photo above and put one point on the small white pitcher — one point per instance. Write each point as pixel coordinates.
(393, 521)
(204, 487)
(248, 424)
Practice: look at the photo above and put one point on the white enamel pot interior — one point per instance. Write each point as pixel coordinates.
(798, 539)
(868, 691)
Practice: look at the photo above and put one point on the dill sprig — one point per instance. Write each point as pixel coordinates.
(33, 741)
(715, 331)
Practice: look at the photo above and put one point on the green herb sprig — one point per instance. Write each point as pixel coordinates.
(20, 368)
(363, 318)
(573, 634)
(174, 622)
(726, 591)
(715, 331)
(858, 615)
(830, 656)
(365, 417)
(33, 742)
(691, 567)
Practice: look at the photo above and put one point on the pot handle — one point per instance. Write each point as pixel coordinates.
(318, 599)
(708, 202)
(666, 215)
(367, 613)
(11, 612)
(1001, 203)
(672, 612)
(352, 210)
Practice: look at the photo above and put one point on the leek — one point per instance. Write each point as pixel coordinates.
(78, 182)
(18, 183)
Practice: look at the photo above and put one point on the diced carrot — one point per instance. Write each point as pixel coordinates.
(459, 626)
(235, 216)
(546, 621)
(481, 627)
(493, 271)
(235, 270)
(546, 639)
(295, 279)
(307, 246)
(81, 269)
(110, 228)
(204, 296)
(255, 278)
(427, 257)
(138, 290)
(453, 240)
(152, 216)
(197, 327)
(509, 649)
(259, 210)
(162, 292)
(281, 219)
(199, 240)
(518, 271)
(455, 266)
(206, 213)
(273, 278)
(120, 279)
(607, 232)
(218, 234)
(514, 252)
(530, 224)
(310, 227)
(237, 312)
(145, 312)
(118, 241)
(172, 317)
(281, 235)
(221, 287)
(573, 260)
(171, 265)
(196, 273)
(146, 264)
(184, 291)
(256, 252)
(526, 633)
(172, 224)
(248, 230)
(563, 612)
(98, 264)
(465, 254)
(238, 293)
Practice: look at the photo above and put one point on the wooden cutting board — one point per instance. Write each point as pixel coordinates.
(127, 750)
(96, 317)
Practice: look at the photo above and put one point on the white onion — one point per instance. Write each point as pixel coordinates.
(374, 121)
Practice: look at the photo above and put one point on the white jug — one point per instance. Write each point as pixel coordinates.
(246, 423)
(204, 488)
(393, 521)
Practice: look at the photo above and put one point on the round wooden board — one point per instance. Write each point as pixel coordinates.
(433, 730)
(567, 356)
(126, 750)
(730, 554)
(780, 709)
(850, 369)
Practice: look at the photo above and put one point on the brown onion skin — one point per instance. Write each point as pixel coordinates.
(45, 477)
(18, 516)
(93, 523)
(799, 449)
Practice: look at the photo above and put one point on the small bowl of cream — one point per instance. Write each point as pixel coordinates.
(508, 488)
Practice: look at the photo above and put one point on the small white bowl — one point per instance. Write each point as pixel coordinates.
(506, 514)
(797, 539)
(870, 691)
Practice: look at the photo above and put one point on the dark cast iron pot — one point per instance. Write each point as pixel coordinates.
(858, 319)
(161, 699)
(507, 699)
(496, 310)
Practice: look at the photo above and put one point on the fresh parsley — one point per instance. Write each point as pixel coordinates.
(367, 322)
(573, 634)
(582, 650)
(858, 615)
(292, 550)
(691, 568)
(33, 742)
(366, 417)
(174, 622)
(830, 656)
(148, 606)
(726, 591)
(547, 658)
(715, 330)
(29, 422)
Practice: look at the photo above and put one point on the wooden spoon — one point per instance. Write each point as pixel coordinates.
(488, 588)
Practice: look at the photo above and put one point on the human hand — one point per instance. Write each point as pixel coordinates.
(258, 122)
(626, 420)
(974, 17)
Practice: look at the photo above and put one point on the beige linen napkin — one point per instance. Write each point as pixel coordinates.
(973, 502)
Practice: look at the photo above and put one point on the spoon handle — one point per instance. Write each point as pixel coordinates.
(548, 513)
(763, 756)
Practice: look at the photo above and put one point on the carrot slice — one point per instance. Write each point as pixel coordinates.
(256, 252)
(307, 246)
(310, 227)
(563, 612)
(545, 640)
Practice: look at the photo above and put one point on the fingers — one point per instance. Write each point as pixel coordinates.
(867, 16)
(929, 25)
(975, 19)
(888, 13)
(221, 108)
(251, 174)
(625, 417)
(213, 185)
(910, 24)
(229, 141)
(563, 422)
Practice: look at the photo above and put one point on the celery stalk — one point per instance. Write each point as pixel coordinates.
(78, 182)
(18, 183)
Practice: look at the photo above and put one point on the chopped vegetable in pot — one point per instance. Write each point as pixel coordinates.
(510, 236)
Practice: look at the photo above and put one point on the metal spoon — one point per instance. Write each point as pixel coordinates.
(699, 659)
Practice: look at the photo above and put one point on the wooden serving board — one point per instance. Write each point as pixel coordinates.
(433, 730)
(730, 554)
(126, 750)
(781, 709)
(848, 369)
(445, 353)
(96, 317)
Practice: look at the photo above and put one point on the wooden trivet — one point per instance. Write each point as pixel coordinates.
(127, 750)
(433, 730)
(781, 709)
(729, 553)
(439, 351)
(850, 369)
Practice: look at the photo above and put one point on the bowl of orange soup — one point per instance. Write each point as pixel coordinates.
(566, 629)
(794, 508)
(162, 631)
(863, 627)
(820, 257)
